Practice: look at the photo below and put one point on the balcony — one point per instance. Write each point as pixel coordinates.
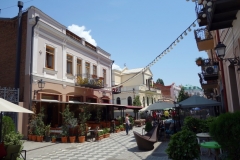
(200, 10)
(223, 14)
(91, 81)
(210, 69)
(208, 84)
(204, 39)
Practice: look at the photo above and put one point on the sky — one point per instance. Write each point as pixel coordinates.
(134, 32)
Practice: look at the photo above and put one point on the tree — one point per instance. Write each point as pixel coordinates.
(182, 95)
(160, 81)
(136, 101)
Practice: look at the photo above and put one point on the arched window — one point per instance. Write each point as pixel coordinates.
(129, 101)
(143, 101)
(147, 101)
(118, 100)
(152, 100)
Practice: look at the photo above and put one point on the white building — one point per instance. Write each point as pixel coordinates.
(175, 91)
(193, 90)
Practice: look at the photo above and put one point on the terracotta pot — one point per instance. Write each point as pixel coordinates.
(81, 139)
(29, 137)
(64, 139)
(72, 139)
(104, 136)
(53, 140)
(34, 138)
(39, 138)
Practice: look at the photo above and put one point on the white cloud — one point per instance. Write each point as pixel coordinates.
(81, 32)
(117, 67)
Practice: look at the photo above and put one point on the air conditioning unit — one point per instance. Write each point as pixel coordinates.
(209, 70)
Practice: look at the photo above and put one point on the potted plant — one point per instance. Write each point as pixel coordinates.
(99, 136)
(117, 129)
(83, 117)
(53, 139)
(183, 145)
(14, 144)
(67, 116)
(199, 61)
(47, 133)
(99, 114)
(7, 126)
(121, 127)
(32, 125)
(40, 126)
(72, 124)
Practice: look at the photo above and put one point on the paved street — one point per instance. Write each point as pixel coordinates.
(118, 147)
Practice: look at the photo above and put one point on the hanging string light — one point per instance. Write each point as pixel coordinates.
(164, 52)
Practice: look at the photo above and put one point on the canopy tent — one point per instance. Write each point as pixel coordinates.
(197, 101)
(160, 105)
(6, 106)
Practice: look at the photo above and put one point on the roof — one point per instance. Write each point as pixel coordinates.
(129, 71)
(188, 86)
(197, 101)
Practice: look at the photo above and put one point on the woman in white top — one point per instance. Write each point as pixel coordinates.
(127, 123)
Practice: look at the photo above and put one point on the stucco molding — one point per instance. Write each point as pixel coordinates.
(50, 71)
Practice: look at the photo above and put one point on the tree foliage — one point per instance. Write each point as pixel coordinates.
(182, 95)
(160, 81)
(137, 102)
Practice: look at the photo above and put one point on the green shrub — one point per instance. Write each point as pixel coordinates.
(183, 146)
(148, 126)
(13, 138)
(225, 130)
(8, 126)
(192, 124)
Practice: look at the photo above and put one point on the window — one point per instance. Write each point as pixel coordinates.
(69, 64)
(79, 67)
(49, 57)
(94, 70)
(87, 69)
(104, 76)
(147, 101)
(118, 100)
(129, 101)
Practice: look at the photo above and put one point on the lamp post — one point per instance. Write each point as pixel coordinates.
(41, 85)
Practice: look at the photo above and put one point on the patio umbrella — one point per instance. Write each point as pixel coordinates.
(161, 105)
(6, 106)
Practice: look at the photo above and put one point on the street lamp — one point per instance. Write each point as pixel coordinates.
(41, 85)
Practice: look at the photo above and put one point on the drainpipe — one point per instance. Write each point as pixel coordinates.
(19, 40)
(31, 61)
(223, 78)
(111, 82)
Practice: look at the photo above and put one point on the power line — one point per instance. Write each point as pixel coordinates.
(13, 6)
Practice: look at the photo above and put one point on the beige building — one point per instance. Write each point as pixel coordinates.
(220, 76)
(72, 70)
(141, 85)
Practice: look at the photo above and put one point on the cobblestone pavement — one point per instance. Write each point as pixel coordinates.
(118, 146)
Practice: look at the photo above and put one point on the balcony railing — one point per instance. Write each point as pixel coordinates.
(210, 69)
(200, 10)
(91, 81)
(90, 46)
(204, 39)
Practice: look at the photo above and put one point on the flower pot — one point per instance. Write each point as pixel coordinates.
(29, 137)
(64, 139)
(72, 139)
(39, 138)
(81, 139)
(53, 140)
(199, 62)
(47, 138)
(34, 138)
(104, 136)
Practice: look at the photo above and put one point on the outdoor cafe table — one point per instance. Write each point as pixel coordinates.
(212, 145)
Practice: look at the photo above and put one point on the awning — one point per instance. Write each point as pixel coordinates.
(133, 107)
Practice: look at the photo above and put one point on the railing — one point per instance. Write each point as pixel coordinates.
(199, 9)
(202, 34)
(88, 80)
(73, 36)
(210, 62)
(87, 44)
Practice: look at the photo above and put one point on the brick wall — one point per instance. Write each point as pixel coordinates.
(165, 90)
(8, 46)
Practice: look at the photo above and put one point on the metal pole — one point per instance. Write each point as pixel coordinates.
(19, 38)
(1, 126)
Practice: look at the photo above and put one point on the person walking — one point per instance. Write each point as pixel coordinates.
(127, 123)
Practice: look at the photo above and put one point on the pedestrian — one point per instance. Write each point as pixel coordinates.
(127, 123)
